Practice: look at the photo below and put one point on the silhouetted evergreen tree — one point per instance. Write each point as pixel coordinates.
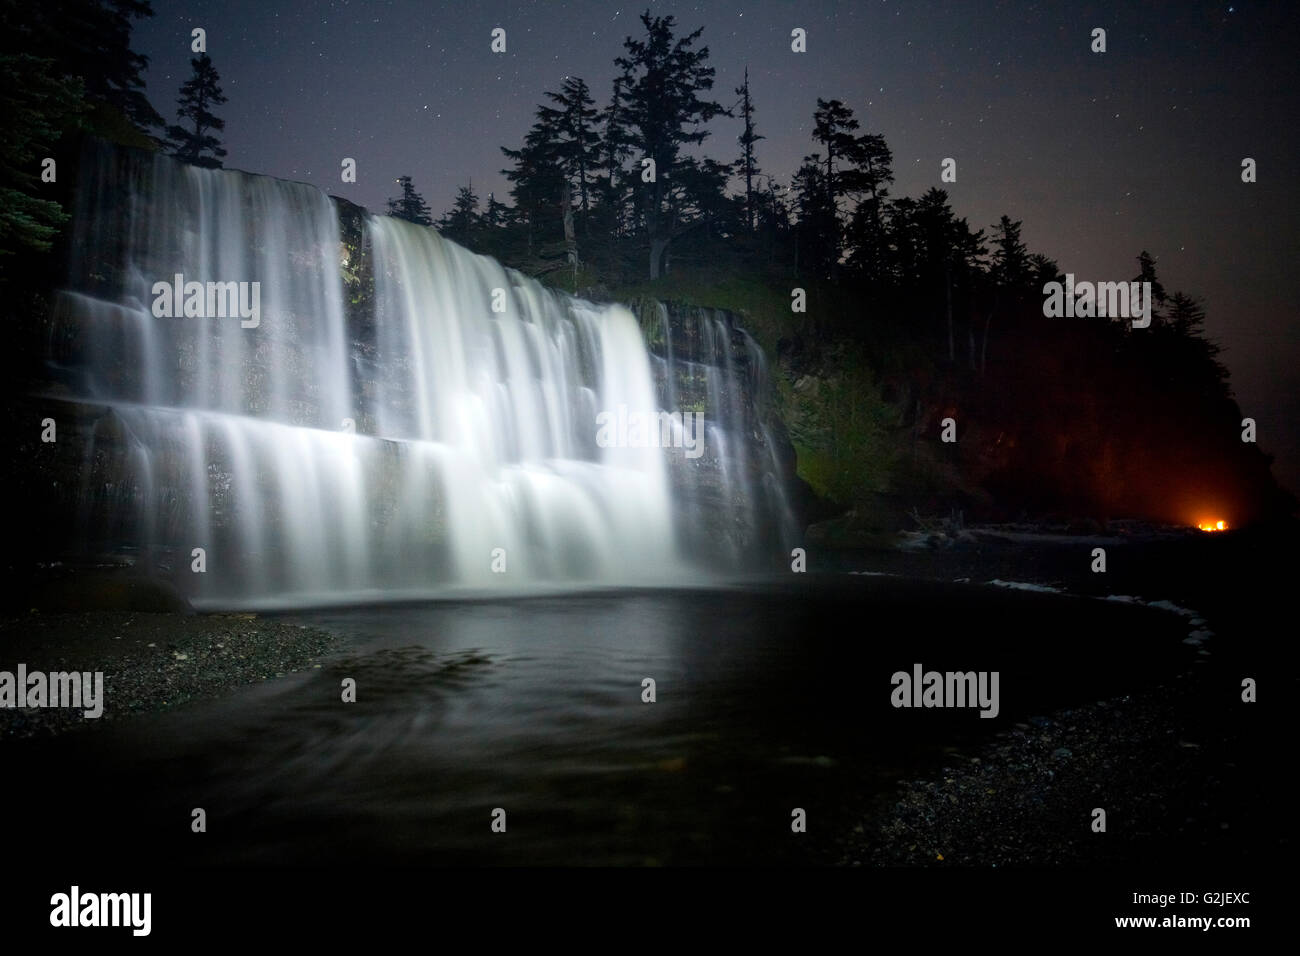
(495, 215)
(815, 216)
(748, 137)
(855, 167)
(697, 199)
(1043, 270)
(614, 187)
(64, 66)
(1011, 268)
(951, 265)
(461, 222)
(410, 205)
(464, 210)
(193, 142)
(1012, 274)
(773, 218)
(37, 107)
(538, 185)
(1147, 273)
(90, 39)
(871, 238)
(577, 143)
(662, 79)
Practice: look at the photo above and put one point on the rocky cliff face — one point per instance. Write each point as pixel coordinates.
(737, 495)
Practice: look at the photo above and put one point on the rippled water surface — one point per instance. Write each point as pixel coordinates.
(769, 697)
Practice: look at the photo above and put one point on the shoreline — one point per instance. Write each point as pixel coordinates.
(151, 661)
(1177, 766)
(1170, 766)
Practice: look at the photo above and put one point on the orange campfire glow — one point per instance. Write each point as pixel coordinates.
(1213, 526)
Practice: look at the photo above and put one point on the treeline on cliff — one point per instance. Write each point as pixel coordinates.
(912, 314)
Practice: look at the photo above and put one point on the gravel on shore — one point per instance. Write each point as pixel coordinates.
(1170, 777)
(150, 661)
(1181, 769)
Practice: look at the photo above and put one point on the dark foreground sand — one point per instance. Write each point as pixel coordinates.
(150, 661)
(1176, 773)
(1188, 773)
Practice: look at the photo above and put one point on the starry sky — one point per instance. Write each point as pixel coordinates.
(1101, 155)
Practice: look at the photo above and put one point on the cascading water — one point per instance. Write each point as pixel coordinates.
(506, 402)
(734, 501)
(446, 438)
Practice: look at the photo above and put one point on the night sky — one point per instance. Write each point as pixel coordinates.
(1101, 155)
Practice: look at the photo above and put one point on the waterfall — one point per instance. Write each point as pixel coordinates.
(734, 502)
(437, 432)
